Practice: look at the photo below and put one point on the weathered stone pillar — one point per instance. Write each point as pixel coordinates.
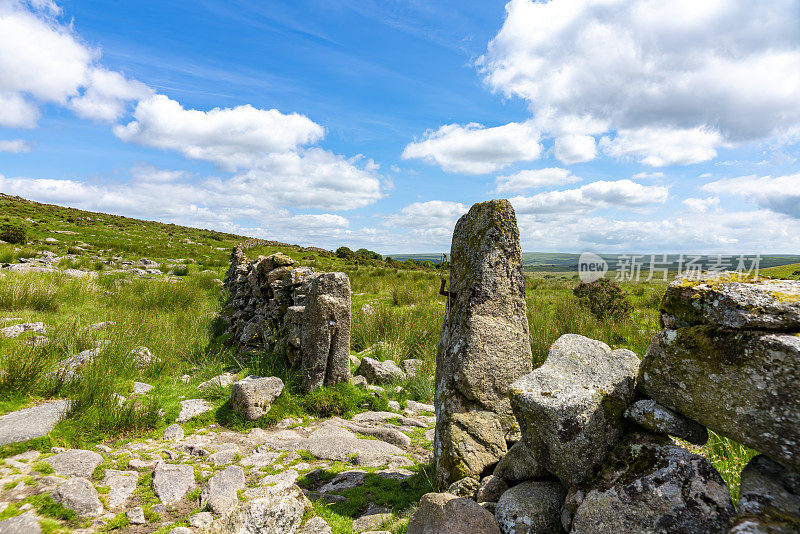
(325, 336)
(484, 344)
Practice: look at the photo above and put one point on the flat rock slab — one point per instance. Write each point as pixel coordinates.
(26, 523)
(172, 481)
(722, 300)
(651, 415)
(121, 485)
(741, 384)
(79, 495)
(338, 444)
(32, 423)
(18, 329)
(192, 408)
(75, 463)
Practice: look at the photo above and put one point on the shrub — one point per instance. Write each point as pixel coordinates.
(605, 299)
(12, 233)
(345, 253)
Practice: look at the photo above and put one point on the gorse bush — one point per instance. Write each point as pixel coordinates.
(12, 233)
(605, 299)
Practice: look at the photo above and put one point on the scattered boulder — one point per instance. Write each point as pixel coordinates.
(68, 367)
(728, 301)
(75, 463)
(220, 381)
(121, 485)
(769, 493)
(220, 492)
(173, 432)
(192, 408)
(268, 509)
(325, 337)
(315, 525)
(79, 495)
(200, 519)
(372, 519)
(377, 372)
(656, 418)
(520, 464)
(443, 513)
(172, 481)
(531, 508)
(32, 423)
(26, 523)
(135, 516)
(140, 388)
(18, 329)
(485, 328)
(252, 396)
(571, 407)
(411, 366)
(650, 485)
(741, 384)
(143, 357)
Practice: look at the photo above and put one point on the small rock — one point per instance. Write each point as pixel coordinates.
(519, 464)
(220, 381)
(490, 489)
(443, 513)
(172, 481)
(136, 516)
(315, 525)
(17, 329)
(143, 357)
(286, 478)
(466, 488)
(393, 405)
(121, 485)
(32, 423)
(656, 418)
(373, 518)
(181, 530)
(359, 381)
(344, 481)
(200, 519)
(531, 507)
(411, 366)
(192, 408)
(79, 495)
(75, 463)
(220, 492)
(377, 372)
(140, 388)
(173, 432)
(252, 396)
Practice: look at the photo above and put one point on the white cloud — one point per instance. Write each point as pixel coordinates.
(593, 196)
(649, 65)
(14, 146)
(780, 194)
(436, 215)
(230, 137)
(106, 95)
(149, 173)
(701, 205)
(648, 175)
(475, 149)
(530, 179)
(658, 147)
(16, 112)
(575, 148)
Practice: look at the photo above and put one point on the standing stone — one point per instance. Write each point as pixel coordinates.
(484, 344)
(648, 485)
(739, 383)
(570, 409)
(325, 336)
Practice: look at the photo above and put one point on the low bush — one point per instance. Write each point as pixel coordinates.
(12, 233)
(605, 299)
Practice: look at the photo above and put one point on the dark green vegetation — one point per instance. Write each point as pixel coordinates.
(605, 299)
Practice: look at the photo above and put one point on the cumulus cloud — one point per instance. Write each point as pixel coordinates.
(475, 149)
(701, 205)
(779, 194)
(14, 146)
(230, 137)
(648, 175)
(42, 60)
(593, 196)
(439, 216)
(533, 178)
(652, 71)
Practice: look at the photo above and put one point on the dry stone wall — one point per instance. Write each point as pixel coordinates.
(594, 454)
(277, 304)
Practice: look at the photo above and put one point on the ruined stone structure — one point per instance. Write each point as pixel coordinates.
(484, 343)
(281, 306)
(594, 454)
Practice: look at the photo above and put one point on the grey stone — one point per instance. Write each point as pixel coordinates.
(377, 372)
(372, 519)
(192, 408)
(571, 407)
(68, 367)
(75, 463)
(200, 519)
(286, 478)
(656, 418)
(770, 491)
(220, 492)
(722, 300)
(143, 357)
(359, 381)
(140, 388)
(490, 489)
(79, 495)
(339, 444)
(315, 525)
(32, 423)
(136, 516)
(18, 329)
(173, 432)
(252, 396)
(172, 481)
(649, 485)
(26, 523)
(344, 481)
(748, 524)
(443, 513)
(325, 339)
(220, 381)
(531, 507)
(466, 488)
(181, 530)
(485, 333)
(411, 366)
(520, 464)
(121, 485)
(222, 457)
(741, 384)
(269, 509)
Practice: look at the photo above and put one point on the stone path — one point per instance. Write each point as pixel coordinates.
(31, 423)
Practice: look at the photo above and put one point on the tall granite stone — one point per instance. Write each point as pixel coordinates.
(484, 344)
(325, 333)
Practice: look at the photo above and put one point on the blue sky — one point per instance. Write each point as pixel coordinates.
(612, 125)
